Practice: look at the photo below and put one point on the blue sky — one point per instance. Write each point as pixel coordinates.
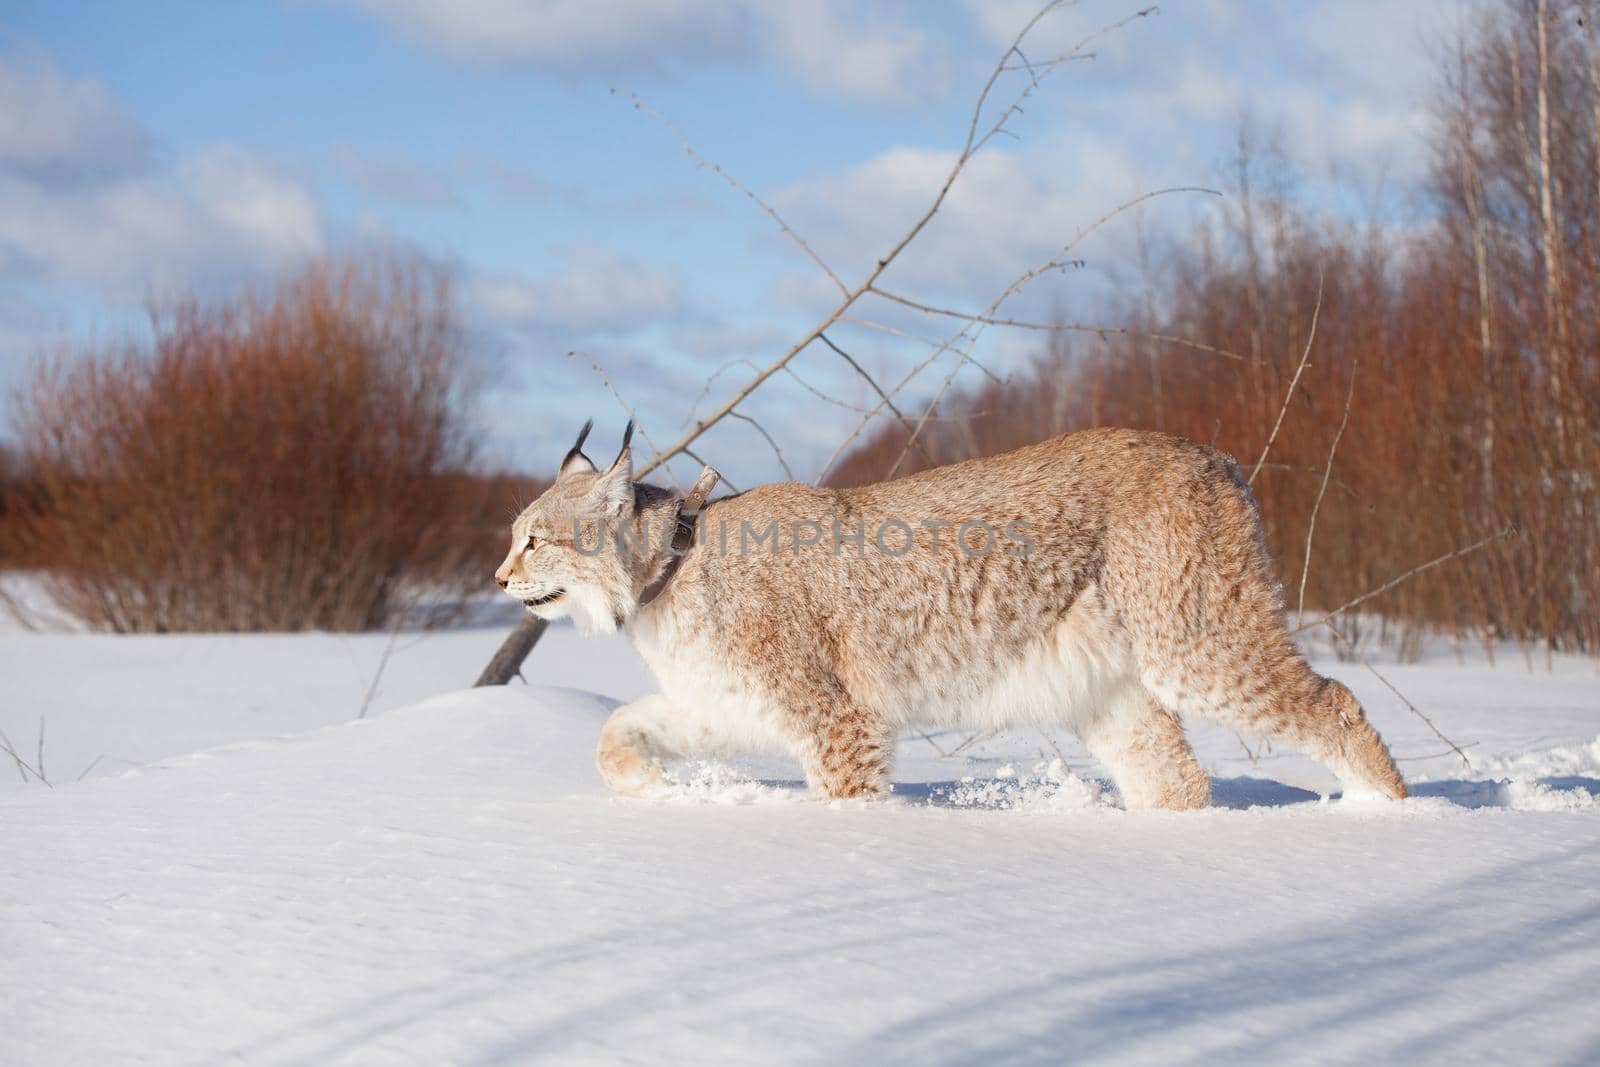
(152, 149)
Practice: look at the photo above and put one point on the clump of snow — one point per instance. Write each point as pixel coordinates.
(1049, 788)
(1565, 761)
(715, 782)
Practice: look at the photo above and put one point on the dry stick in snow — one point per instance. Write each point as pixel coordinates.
(1350, 645)
(1413, 572)
(1327, 473)
(1293, 382)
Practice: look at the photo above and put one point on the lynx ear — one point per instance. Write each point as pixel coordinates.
(576, 461)
(625, 457)
(615, 486)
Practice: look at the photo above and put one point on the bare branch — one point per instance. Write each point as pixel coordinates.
(1064, 327)
(1327, 472)
(1413, 572)
(1348, 644)
(1293, 383)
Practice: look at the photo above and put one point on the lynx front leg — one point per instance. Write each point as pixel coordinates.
(847, 754)
(639, 736)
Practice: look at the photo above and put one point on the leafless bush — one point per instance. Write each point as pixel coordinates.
(1478, 341)
(295, 459)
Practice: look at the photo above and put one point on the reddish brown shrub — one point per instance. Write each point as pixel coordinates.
(292, 460)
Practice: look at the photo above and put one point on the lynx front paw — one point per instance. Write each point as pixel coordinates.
(623, 767)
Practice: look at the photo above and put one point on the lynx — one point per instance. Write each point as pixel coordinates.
(1106, 581)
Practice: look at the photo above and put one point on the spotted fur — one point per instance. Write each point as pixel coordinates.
(1145, 594)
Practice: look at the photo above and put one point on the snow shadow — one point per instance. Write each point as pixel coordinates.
(1396, 976)
(1389, 981)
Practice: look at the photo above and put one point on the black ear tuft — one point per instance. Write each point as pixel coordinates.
(624, 461)
(575, 453)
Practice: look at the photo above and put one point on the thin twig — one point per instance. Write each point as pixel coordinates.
(723, 478)
(1327, 472)
(1347, 643)
(1314, 471)
(1414, 571)
(22, 768)
(848, 358)
(771, 212)
(1436, 755)
(22, 765)
(605, 379)
(762, 430)
(1293, 382)
(973, 740)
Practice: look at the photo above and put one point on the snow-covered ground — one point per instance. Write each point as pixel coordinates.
(248, 874)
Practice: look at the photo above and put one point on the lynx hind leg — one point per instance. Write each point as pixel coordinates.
(1142, 746)
(1345, 741)
(1268, 690)
(1209, 635)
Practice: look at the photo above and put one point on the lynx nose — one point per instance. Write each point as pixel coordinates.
(501, 582)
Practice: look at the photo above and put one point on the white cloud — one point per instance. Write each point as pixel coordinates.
(82, 203)
(1007, 213)
(834, 47)
(221, 213)
(597, 292)
(49, 123)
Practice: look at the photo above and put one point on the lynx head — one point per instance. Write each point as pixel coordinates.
(568, 555)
